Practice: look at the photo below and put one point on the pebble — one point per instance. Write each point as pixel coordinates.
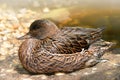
(2, 70)
(43, 77)
(2, 75)
(9, 70)
(46, 10)
(26, 79)
(73, 73)
(86, 73)
(94, 69)
(59, 74)
(2, 58)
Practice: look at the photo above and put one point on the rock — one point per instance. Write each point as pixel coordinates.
(11, 69)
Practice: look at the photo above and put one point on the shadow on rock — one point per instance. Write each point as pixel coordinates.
(21, 70)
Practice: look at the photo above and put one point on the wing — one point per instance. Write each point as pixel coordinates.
(89, 34)
(78, 38)
(72, 40)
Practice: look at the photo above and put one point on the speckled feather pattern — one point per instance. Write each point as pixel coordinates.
(64, 50)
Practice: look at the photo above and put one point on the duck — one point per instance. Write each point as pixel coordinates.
(49, 49)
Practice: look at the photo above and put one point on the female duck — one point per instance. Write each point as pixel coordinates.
(48, 49)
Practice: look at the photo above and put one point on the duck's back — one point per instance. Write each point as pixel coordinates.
(72, 39)
(89, 34)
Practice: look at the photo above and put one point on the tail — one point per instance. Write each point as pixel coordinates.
(94, 35)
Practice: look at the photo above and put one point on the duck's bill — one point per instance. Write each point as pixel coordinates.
(26, 36)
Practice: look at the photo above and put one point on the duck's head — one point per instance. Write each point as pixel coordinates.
(41, 29)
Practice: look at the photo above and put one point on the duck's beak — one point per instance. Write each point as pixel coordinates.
(26, 36)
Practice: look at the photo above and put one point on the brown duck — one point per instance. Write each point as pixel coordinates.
(48, 49)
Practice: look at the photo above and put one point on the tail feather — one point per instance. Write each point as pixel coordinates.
(93, 36)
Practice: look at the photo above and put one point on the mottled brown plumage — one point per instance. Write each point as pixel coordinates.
(48, 49)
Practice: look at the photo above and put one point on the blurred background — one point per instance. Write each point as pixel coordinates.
(17, 15)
